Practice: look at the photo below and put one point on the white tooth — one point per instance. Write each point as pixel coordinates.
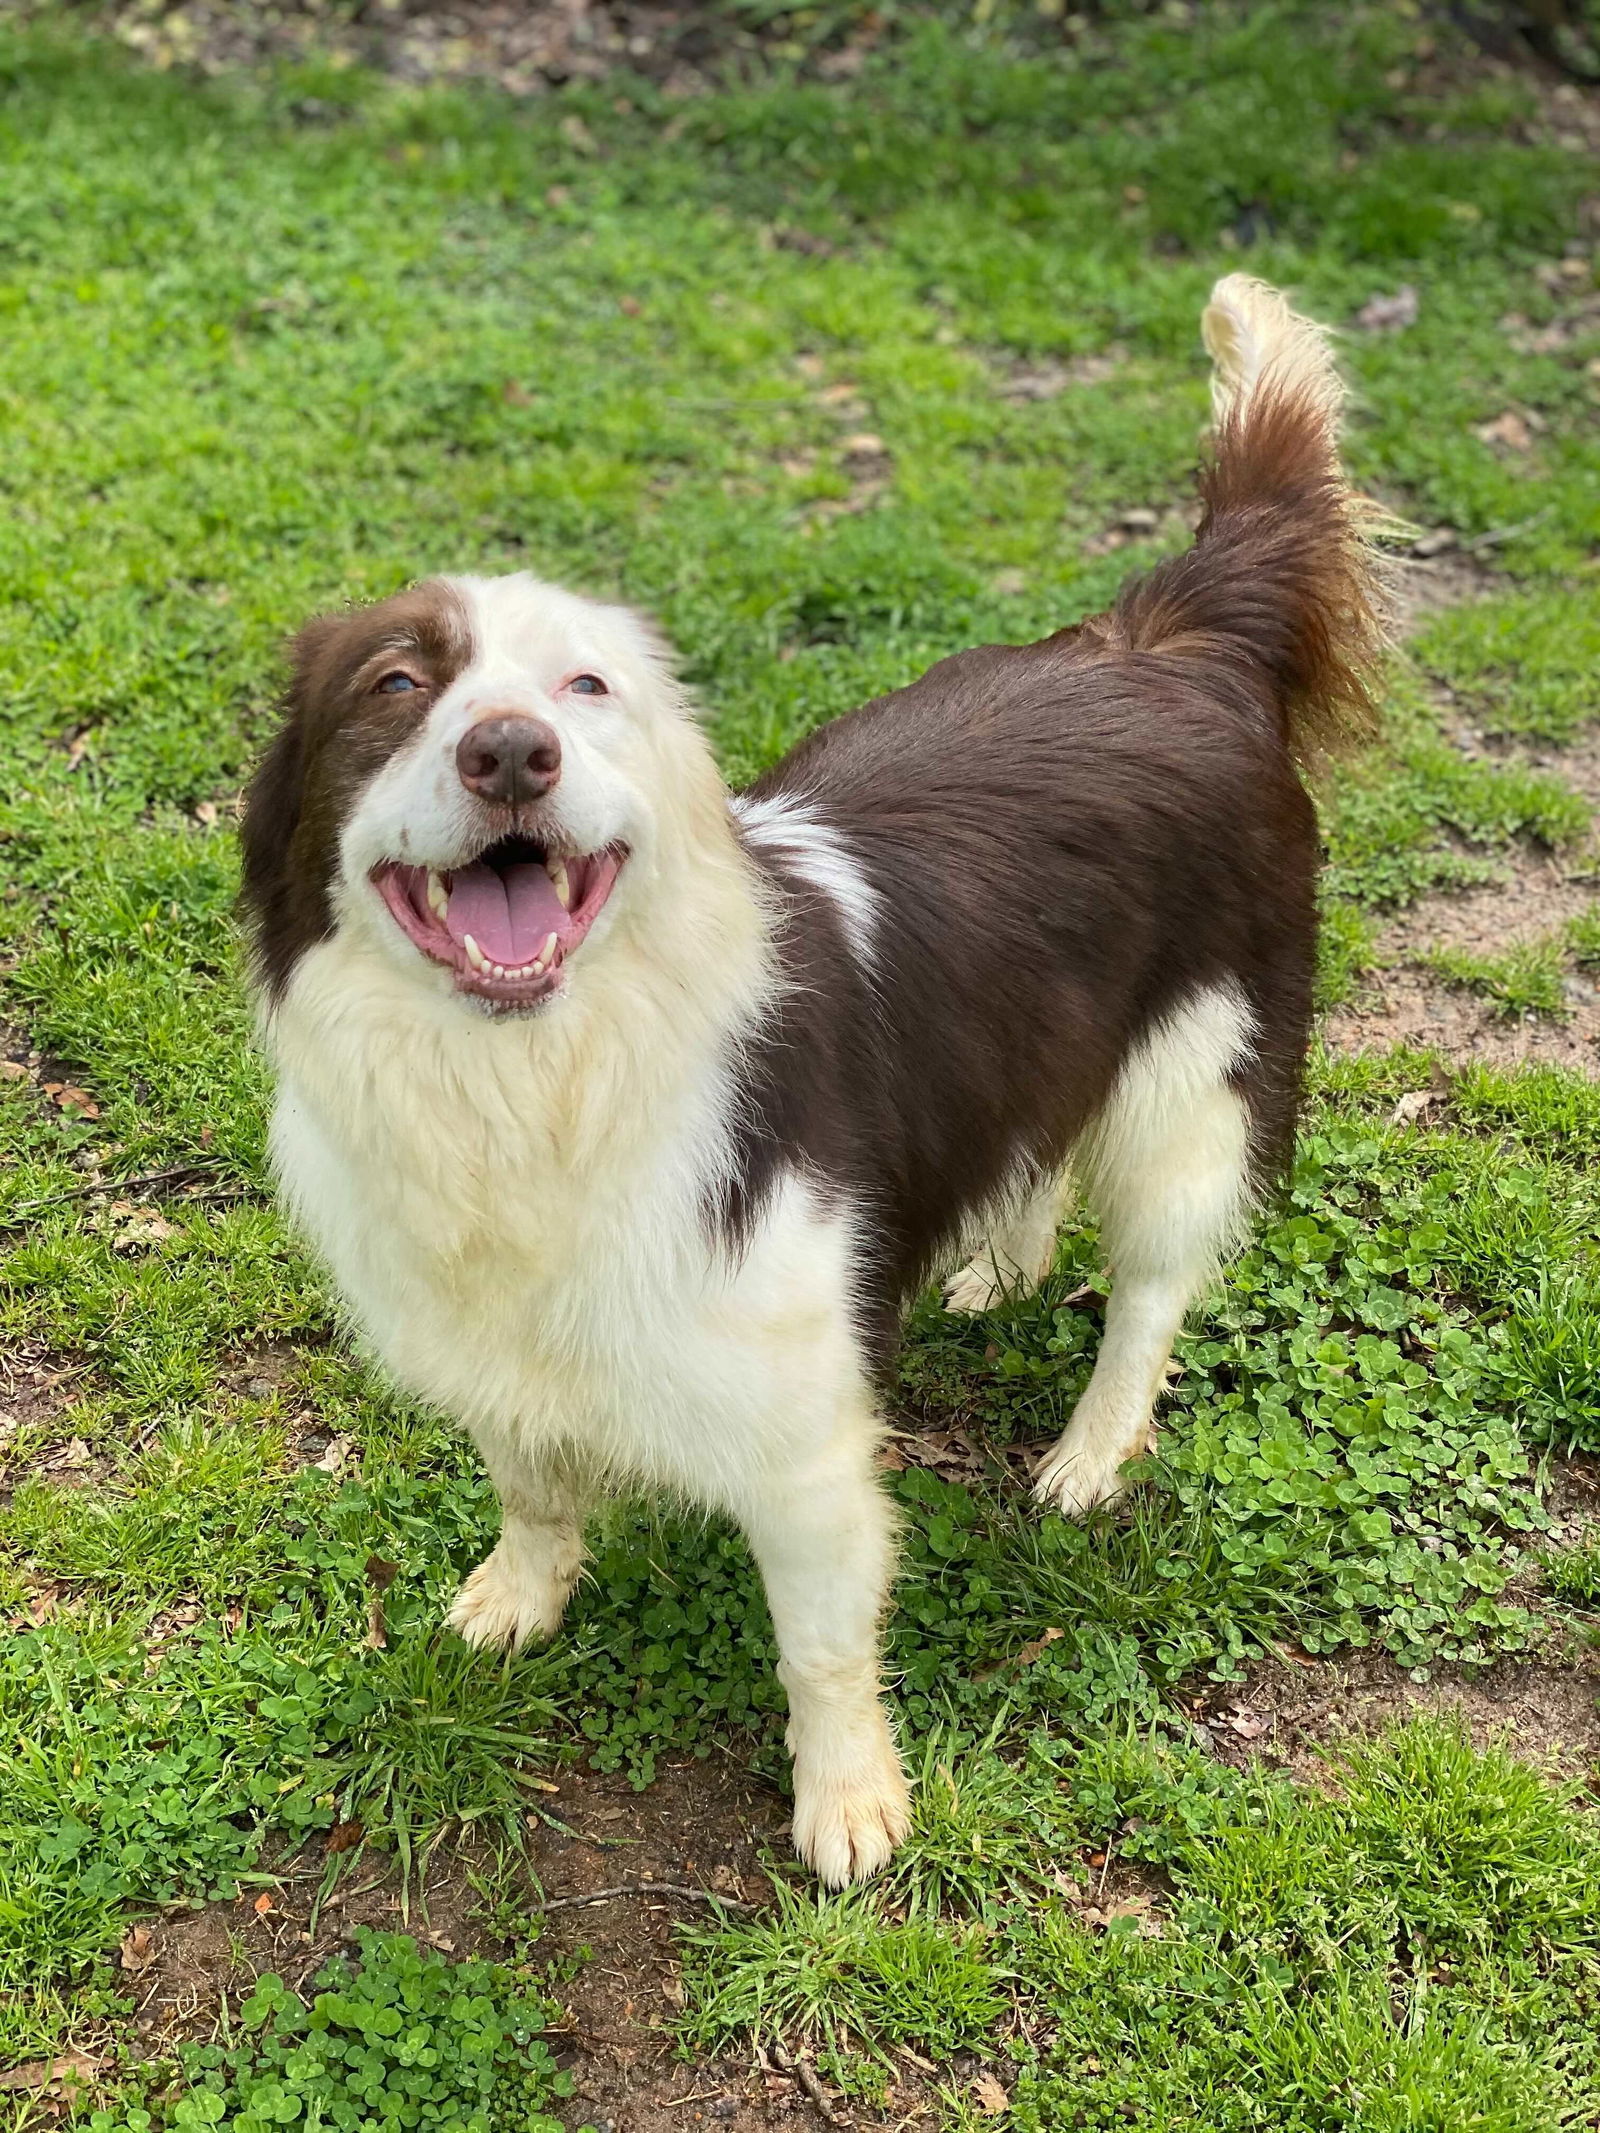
(438, 900)
(549, 948)
(499, 969)
(557, 869)
(475, 955)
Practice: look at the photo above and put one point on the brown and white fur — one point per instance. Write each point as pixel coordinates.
(647, 1209)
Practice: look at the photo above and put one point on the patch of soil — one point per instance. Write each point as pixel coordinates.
(270, 1374)
(37, 1387)
(1574, 1499)
(1406, 1002)
(701, 1827)
(181, 1965)
(1285, 1714)
(1030, 379)
(523, 48)
(266, 1370)
(1577, 764)
(1447, 576)
(56, 1081)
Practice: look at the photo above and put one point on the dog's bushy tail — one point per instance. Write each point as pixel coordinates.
(1283, 581)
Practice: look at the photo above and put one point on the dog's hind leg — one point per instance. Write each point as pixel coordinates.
(1017, 1252)
(823, 1534)
(521, 1588)
(1167, 1169)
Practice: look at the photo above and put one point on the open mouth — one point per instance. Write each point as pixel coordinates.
(506, 923)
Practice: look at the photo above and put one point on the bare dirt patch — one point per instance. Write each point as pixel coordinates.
(57, 1082)
(1405, 1001)
(1408, 1002)
(1574, 1499)
(1446, 575)
(266, 1370)
(1027, 380)
(523, 49)
(1577, 764)
(1291, 1715)
(37, 1387)
(701, 1827)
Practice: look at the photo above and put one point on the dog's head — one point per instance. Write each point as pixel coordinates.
(472, 777)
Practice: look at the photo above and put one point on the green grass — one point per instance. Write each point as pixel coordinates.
(1522, 663)
(396, 2039)
(829, 1967)
(253, 365)
(1583, 937)
(1417, 815)
(1409, 1945)
(1528, 979)
(1573, 1574)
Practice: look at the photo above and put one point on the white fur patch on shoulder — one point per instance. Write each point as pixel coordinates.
(1197, 1045)
(1187, 1056)
(1173, 1112)
(820, 855)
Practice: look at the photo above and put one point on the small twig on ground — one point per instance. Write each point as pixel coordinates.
(1105, 1867)
(648, 1888)
(366, 1888)
(564, 1829)
(1494, 535)
(84, 1192)
(806, 2075)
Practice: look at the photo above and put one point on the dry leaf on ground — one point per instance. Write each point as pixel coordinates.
(73, 2070)
(1413, 1104)
(1389, 314)
(1512, 430)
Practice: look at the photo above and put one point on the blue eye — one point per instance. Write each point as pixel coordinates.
(588, 685)
(393, 684)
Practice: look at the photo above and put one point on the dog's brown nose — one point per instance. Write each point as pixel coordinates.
(509, 759)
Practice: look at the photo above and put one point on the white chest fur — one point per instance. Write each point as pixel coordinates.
(515, 1216)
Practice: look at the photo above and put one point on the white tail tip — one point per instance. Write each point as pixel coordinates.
(1251, 336)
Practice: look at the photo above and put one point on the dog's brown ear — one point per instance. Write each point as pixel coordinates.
(273, 805)
(272, 808)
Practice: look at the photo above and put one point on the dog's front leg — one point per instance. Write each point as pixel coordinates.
(823, 1535)
(519, 1591)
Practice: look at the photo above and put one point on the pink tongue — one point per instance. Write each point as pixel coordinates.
(510, 915)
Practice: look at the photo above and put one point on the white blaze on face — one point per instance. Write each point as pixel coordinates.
(501, 897)
(530, 641)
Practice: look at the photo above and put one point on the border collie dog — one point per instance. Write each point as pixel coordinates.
(628, 1114)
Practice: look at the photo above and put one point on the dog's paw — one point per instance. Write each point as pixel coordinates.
(976, 1288)
(505, 1603)
(849, 1818)
(984, 1283)
(1076, 1479)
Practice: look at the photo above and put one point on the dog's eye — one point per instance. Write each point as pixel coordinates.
(588, 685)
(393, 684)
